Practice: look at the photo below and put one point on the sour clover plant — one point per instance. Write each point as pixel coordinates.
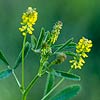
(45, 46)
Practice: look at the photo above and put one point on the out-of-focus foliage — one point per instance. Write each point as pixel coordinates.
(80, 18)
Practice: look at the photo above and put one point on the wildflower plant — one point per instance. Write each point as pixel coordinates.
(46, 48)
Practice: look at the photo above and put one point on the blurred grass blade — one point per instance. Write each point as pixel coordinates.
(64, 45)
(19, 59)
(40, 39)
(67, 93)
(6, 73)
(50, 82)
(70, 53)
(33, 41)
(67, 75)
(3, 58)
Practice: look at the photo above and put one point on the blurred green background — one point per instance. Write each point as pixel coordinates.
(79, 17)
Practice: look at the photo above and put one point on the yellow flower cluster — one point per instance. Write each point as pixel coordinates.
(28, 20)
(84, 45)
(55, 32)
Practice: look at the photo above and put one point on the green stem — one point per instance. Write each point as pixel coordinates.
(70, 70)
(23, 63)
(42, 61)
(23, 97)
(13, 73)
(30, 86)
(53, 89)
(17, 81)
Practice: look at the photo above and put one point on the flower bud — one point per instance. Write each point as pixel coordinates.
(61, 57)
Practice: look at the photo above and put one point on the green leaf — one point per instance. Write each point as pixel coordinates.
(3, 58)
(50, 82)
(64, 45)
(70, 53)
(57, 46)
(19, 59)
(47, 36)
(72, 44)
(67, 93)
(6, 73)
(33, 41)
(67, 75)
(40, 39)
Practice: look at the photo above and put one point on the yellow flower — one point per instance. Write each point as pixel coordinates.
(55, 32)
(84, 45)
(28, 20)
(77, 63)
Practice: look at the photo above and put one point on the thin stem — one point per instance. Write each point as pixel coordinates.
(17, 81)
(52, 63)
(13, 73)
(30, 85)
(70, 70)
(53, 89)
(23, 63)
